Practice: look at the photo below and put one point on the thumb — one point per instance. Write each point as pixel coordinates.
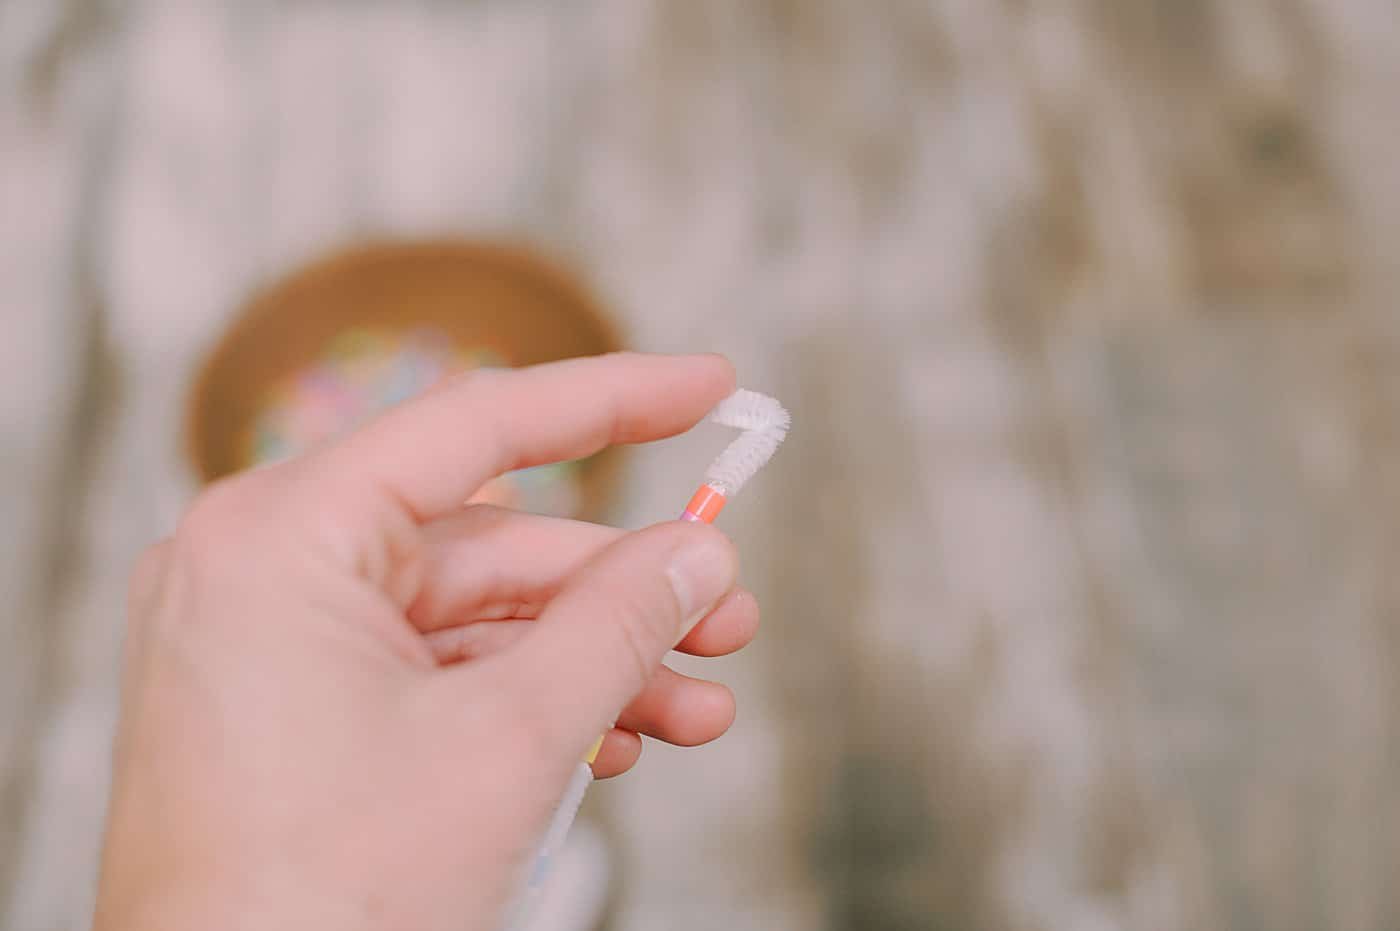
(603, 636)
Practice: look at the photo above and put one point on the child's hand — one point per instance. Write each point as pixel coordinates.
(298, 747)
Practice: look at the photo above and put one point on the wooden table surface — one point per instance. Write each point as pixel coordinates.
(1080, 565)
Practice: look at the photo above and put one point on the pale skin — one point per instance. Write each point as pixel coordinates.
(351, 702)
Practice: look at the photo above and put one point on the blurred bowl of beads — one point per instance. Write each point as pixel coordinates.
(343, 339)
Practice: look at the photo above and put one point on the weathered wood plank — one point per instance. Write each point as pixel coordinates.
(1085, 310)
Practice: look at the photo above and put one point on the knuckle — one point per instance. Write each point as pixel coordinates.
(150, 564)
(216, 521)
(147, 574)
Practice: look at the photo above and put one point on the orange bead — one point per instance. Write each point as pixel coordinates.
(705, 505)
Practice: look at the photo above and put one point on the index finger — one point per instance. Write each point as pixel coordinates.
(430, 454)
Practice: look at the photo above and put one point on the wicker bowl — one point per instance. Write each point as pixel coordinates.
(505, 300)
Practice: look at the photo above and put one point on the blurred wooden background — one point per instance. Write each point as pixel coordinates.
(1086, 311)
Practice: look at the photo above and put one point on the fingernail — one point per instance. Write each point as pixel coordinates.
(700, 574)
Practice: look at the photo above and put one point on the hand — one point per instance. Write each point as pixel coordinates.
(299, 746)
